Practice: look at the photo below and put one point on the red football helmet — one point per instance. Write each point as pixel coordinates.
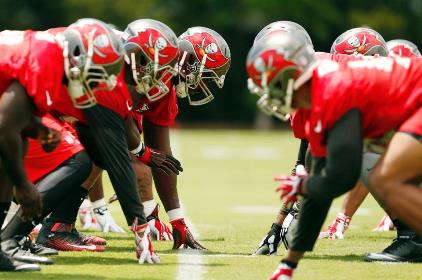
(402, 48)
(364, 41)
(151, 57)
(92, 59)
(204, 57)
(287, 26)
(278, 64)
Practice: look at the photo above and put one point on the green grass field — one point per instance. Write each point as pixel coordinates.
(228, 194)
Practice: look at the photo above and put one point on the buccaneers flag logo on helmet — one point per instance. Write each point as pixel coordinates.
(363, 41)
(151, 41)
(205, 44)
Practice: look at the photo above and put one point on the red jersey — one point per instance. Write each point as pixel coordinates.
(298, 119)
(386, 91)
(161, 112)
(38, 163)
(35, 59)
(117, 100)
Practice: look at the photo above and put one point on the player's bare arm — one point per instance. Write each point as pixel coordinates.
(16, 113)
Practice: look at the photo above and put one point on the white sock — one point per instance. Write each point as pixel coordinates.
(175, 214)
(149, 206)
(99, 203)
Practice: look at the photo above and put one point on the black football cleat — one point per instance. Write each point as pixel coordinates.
(26, 243)
(8, 264)
(13, 249)
(403, 249)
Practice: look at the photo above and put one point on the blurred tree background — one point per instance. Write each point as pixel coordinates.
(238, 21)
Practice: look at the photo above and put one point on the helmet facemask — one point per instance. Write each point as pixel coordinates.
(196, 79)
(151, 54)
(84, 76)
(204, 60)
(277, 66)
(278, 95)
(147, 73)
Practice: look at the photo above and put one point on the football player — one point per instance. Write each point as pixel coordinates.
(103, 128)
(348, 103)
(60, 175)
(203, 58)
(355, 42)
(406, 247)
(278, 232)
(28, 57)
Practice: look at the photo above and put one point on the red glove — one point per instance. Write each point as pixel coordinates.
(290, 185)
(156, 159)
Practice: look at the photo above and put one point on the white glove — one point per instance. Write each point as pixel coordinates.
(160, 230)
(105, 221)
(86, 218)
(144, 250)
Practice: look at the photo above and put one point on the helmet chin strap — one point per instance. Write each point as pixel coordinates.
(181, 89)
(289, 94)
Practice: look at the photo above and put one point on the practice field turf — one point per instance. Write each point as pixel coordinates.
(228, 194)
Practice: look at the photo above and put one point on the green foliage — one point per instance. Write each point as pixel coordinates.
(237, 20)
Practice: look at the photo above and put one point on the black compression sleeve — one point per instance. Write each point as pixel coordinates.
(344, 159)
(302, 152)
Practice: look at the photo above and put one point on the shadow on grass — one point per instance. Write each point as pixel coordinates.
(122, 237)
(204, 253)
(76, 260)
(120, 249)
(218, 239)
(344, 258)
(39, 275)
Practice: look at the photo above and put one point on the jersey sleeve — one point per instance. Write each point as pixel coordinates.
(43, 74)
(118, 99)
(298, 121)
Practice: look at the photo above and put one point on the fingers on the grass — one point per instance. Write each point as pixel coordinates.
(281, 178)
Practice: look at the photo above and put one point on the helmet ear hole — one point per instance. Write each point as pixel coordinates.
(191, 59)
(143, 60)
(278, 85)
(77, 51)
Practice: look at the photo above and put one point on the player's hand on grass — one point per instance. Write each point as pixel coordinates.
(144, 250)
(105, 220)
(290, 185)
(160, 230)
(30, 201)
(159, 160)
(270, 242)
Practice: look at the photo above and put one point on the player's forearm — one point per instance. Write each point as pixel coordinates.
(302, 152)
(166, 186)
(344, 159)
(132, 135)
(32, 129)
(11, 150)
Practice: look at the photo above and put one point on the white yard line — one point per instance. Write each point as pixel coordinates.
(191, 263)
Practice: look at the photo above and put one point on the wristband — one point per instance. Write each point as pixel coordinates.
(138, 151)
(145, 156)
(142, 152)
